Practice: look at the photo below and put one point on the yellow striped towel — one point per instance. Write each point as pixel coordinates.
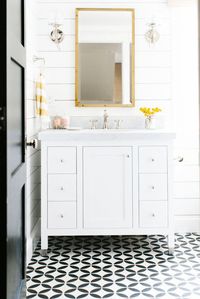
(41, 100)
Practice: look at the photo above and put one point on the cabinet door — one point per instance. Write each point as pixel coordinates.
(107, 187)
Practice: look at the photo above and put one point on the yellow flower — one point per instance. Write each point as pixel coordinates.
(149, 111)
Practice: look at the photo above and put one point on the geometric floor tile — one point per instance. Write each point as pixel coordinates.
(116, 267)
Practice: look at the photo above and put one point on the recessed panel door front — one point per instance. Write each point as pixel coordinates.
(107, 187)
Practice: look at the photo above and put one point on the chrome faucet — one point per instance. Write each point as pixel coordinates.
(105, 120)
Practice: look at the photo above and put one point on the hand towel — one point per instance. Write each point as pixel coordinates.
(41, 100)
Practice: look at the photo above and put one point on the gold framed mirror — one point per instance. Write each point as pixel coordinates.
(105, 57)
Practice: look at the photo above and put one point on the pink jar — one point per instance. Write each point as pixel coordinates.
(65, 122)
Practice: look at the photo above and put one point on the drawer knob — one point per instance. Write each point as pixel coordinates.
(61, 188)
(153, 215)
(128, 156)
(61, 160)
(61, 215)
(152, 187)
(153, 160)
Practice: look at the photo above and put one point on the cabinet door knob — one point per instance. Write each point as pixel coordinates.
(152, 187)
(153, 215)
(128, 156)
(61, 188)
(153, 160)
(61, 215)
(179, 159)
(61, 160)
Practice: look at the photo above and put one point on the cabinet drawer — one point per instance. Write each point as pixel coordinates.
(153, 214)
(61, 215)
(61, 159)
(153, 159)
(62, 187)
(153, 186)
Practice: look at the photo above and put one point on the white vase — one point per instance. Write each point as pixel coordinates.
(150, 123)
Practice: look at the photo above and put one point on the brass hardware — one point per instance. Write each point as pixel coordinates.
(33, 143)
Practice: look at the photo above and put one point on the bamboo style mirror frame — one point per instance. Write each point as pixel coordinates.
(105, 54)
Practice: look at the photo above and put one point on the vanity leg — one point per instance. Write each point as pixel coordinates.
(171, 243)
(44, 244)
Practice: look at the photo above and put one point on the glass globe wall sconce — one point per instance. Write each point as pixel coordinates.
(56, 35)
(152, 35)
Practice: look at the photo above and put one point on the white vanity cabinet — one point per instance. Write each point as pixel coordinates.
(109, 182)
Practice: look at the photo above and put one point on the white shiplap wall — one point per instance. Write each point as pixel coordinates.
(151, 85)
(32, 127)
(186, 113)
(157, 83)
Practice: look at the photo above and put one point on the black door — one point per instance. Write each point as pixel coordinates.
(12, 152)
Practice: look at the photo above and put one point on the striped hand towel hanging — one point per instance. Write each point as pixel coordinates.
(41, 100)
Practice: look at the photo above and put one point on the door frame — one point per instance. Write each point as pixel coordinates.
(3, 152)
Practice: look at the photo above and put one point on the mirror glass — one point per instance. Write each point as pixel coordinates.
(104, 57)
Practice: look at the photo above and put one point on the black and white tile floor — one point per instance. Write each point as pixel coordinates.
(116, 267)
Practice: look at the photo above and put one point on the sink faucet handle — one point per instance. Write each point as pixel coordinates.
(117, 123)
(93, 123)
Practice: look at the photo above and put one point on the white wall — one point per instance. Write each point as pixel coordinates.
(153, 83)
(158, 70)
(32, 127)
(186, 114)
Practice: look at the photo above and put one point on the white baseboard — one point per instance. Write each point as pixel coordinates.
(32, 241)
